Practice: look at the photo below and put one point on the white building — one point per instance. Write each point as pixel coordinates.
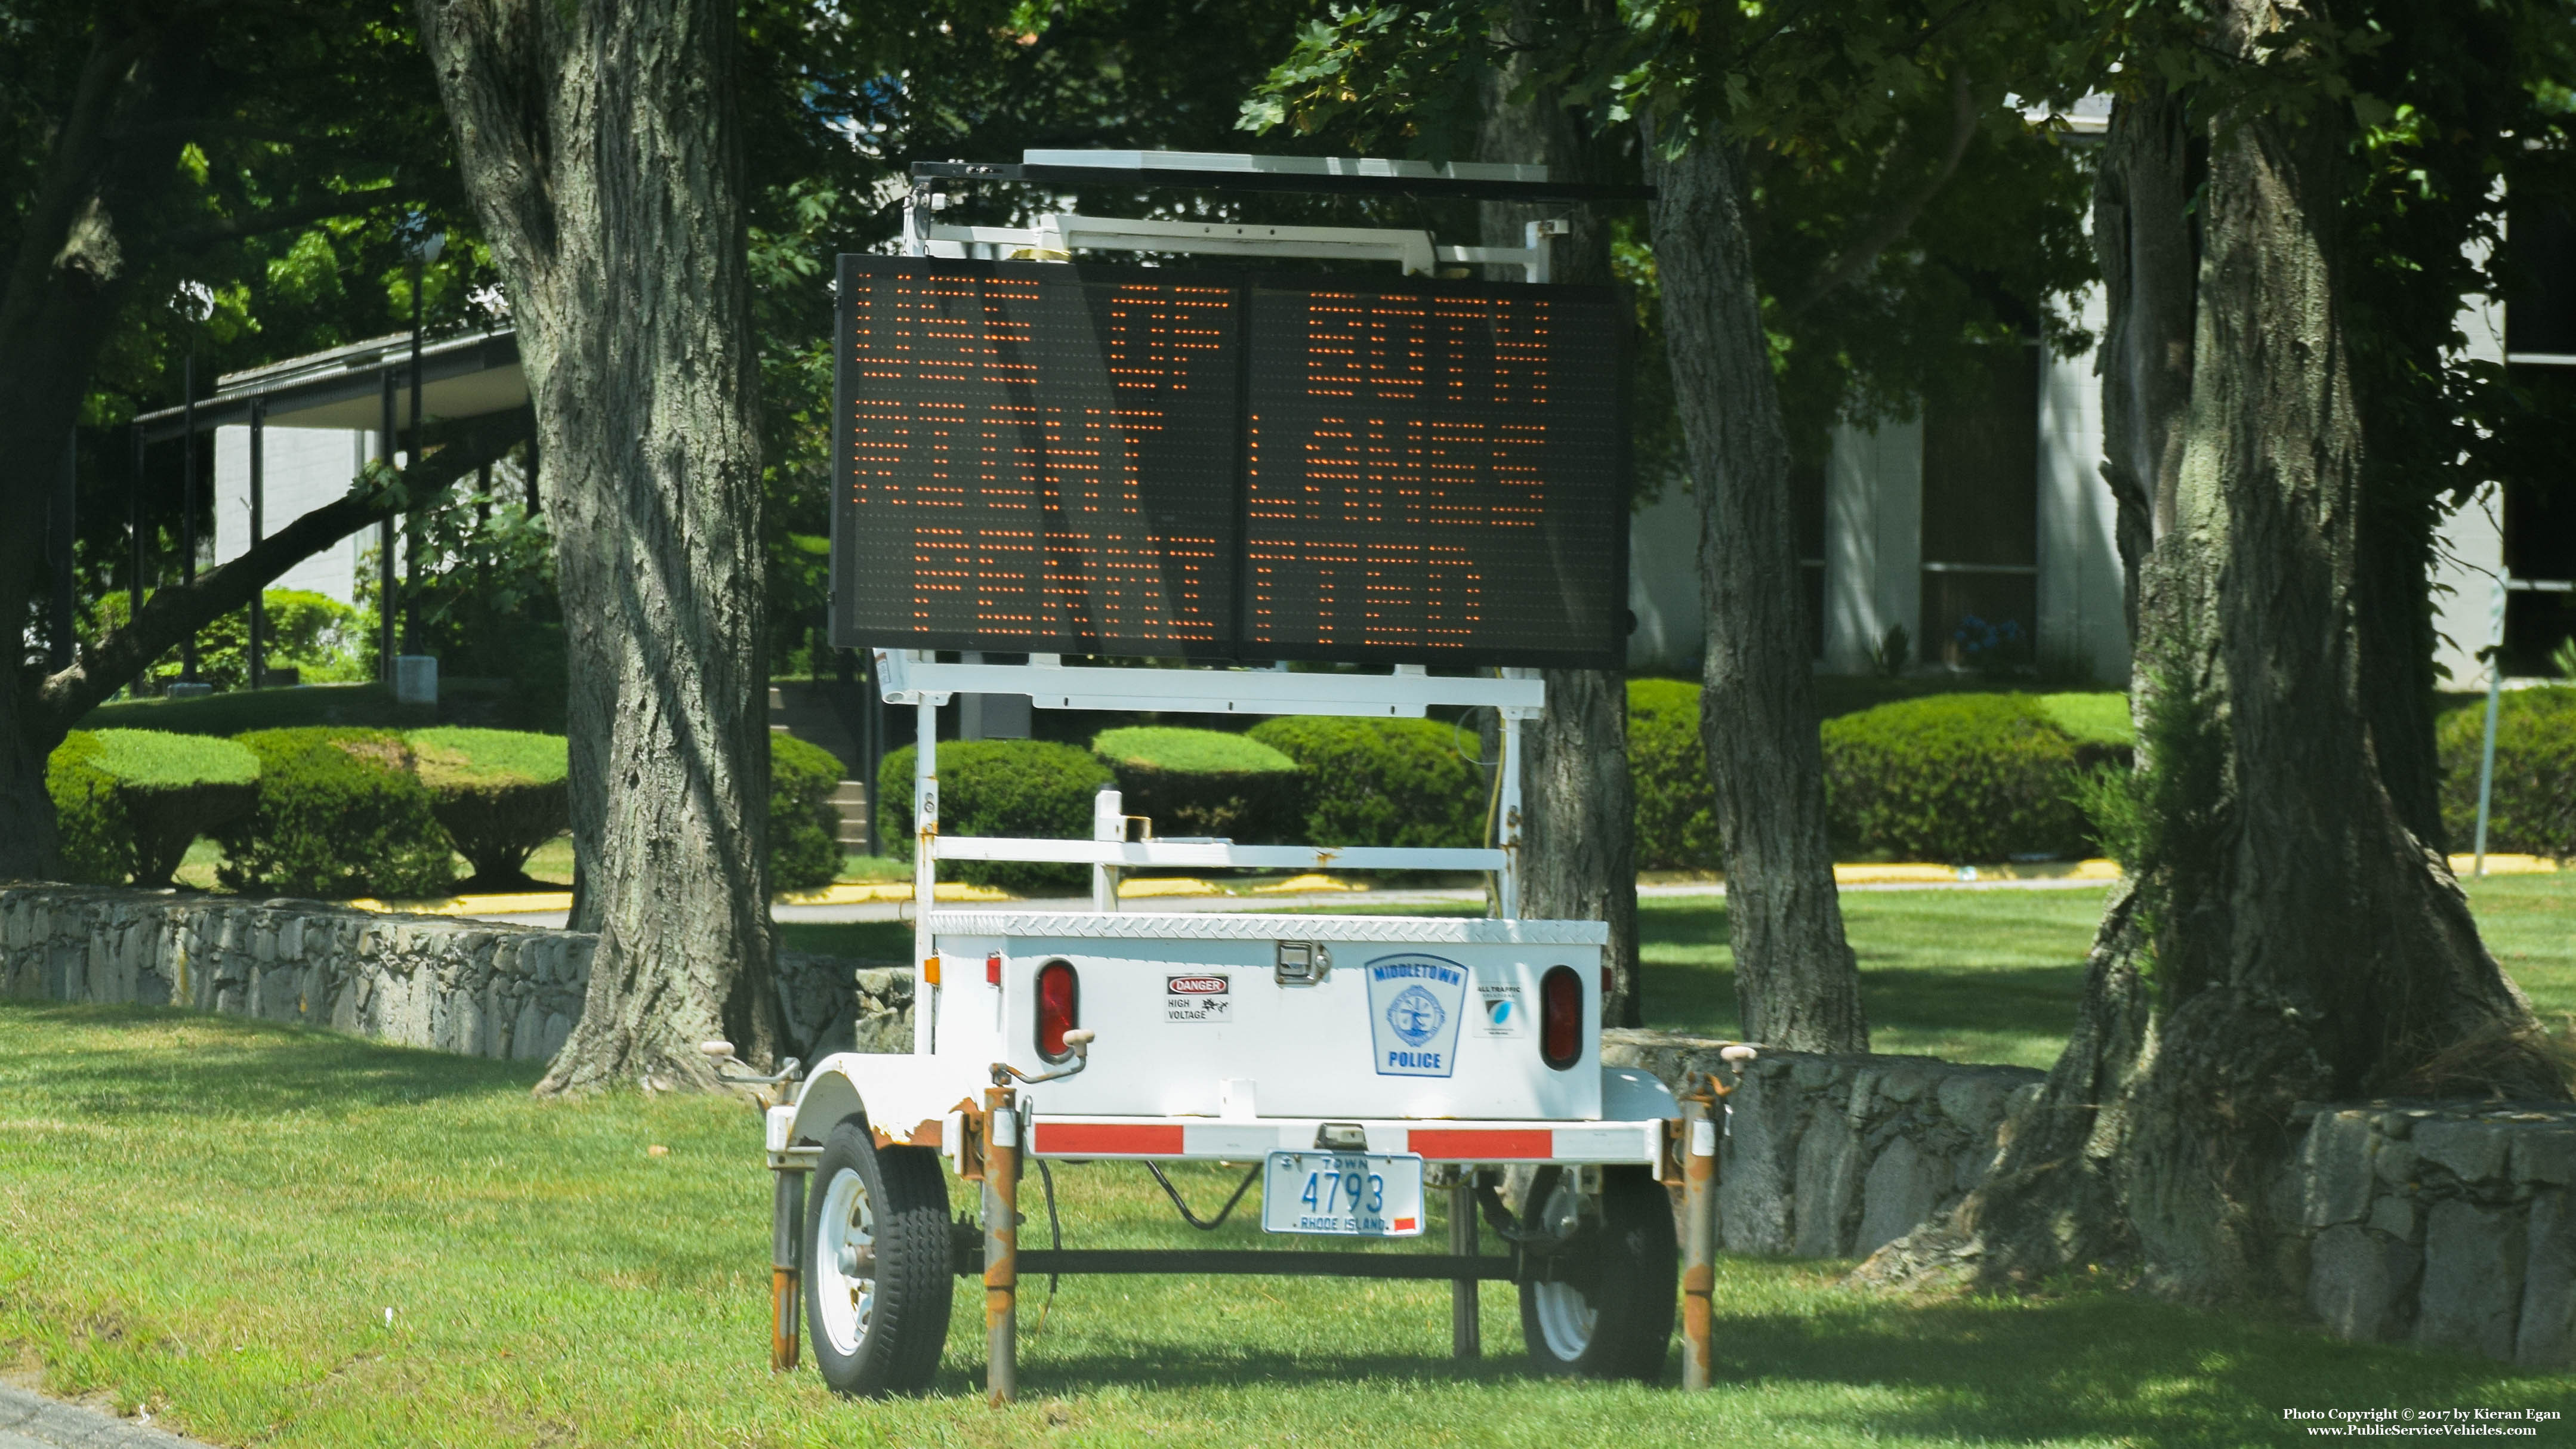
(1999, 515)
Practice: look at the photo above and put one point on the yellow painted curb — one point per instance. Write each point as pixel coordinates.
(2461, 865)
(1926, 874)
(525, 903)
(1297, 885)
(1165, 885)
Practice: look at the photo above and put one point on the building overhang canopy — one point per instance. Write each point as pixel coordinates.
(461, 377)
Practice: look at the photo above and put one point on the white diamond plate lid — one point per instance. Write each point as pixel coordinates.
(1226, 926)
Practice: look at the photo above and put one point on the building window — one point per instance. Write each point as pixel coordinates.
(1981, 521)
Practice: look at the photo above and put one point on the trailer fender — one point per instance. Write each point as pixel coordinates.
(903, 1098)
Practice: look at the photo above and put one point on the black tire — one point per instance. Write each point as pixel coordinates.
(1603, 1308)
(884, 1334)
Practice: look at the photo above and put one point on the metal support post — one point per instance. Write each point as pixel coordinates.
(387, 591)
(1507, 883)
(2495, 696)
(1108, 822)
(1001, 1246)
(60, 532)
(188, 505)
(786, 1239)
(134, 532)
(1466, 1339)
(258, 531)
(925, 877)
(1699, 1236)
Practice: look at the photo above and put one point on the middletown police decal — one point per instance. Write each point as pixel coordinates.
(1415, 1002)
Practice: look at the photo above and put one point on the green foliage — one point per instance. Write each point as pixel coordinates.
(2093, 718)
(129, 803)
(1398, 782)
(488, 608)
(2533, 807)
(174, 788)
(1026, 788)
(804, 825)
(340, 813)
(1203, 782)
(314, 634)
(1668, 771)
(95, 838)
(499, 794)
(1960, 777)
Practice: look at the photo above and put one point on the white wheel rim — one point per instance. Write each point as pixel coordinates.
(847, 1220)
(1566, 1319)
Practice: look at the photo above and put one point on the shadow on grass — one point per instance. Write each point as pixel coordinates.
(862, 940)
(2097, 1367)
(143, 1060)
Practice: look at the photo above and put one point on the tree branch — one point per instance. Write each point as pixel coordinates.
(1864, 250)
(172, 614)
(262, 222)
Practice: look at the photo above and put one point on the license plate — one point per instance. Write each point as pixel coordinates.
(1345, 1194)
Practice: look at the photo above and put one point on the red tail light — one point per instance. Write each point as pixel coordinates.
(1059, 1008)
(1560, 1017)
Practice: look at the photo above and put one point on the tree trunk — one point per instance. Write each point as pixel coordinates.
(2142, 232)
(1578, 848)
(1796, 984)
(598, 143)
(2287, 936)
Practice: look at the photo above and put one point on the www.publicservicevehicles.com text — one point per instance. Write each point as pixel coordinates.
(2520, 1423)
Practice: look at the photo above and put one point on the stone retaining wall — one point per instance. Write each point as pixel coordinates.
(473, 987)
(1835, 1156)
(2447, 1224)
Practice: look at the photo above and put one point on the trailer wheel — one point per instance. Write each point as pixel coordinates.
(876, 1264)
(1603, 1307)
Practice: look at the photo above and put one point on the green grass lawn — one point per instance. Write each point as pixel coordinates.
(214, 1217)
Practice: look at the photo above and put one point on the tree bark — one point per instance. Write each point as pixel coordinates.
(1796, 983)
(2287, 936)
(2142, 232)
(599, 145)
(1578, 815)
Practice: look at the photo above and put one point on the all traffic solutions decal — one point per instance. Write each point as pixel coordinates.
(1415, 1002)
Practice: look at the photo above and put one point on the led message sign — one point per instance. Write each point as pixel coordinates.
(1093, 460)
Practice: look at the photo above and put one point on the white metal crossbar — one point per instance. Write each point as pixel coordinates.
(908, 677)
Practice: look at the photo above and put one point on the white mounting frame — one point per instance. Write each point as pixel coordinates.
(1055, 236)
(915, 677)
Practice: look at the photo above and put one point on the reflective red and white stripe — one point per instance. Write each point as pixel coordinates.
(1186, 1138)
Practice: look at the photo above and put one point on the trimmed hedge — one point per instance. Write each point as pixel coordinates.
(339, 814)
(2533, 811)
(804, 824)
(131, 802)
(1676, 822)
(1203, 782)
(1404, 782)
(498, 793)
(1027, 788)
(1955, 777)
(96, 842)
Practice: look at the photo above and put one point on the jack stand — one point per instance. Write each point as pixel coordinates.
(1001, 1246)
(786, 1236)
(1699, 1238)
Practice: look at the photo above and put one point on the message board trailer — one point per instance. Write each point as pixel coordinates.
(1067, 463)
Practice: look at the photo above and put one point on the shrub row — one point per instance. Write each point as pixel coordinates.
(337, 812)
(2533, 808)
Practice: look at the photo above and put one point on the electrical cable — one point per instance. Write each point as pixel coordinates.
(1055, 1240)
(1191, 1218)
